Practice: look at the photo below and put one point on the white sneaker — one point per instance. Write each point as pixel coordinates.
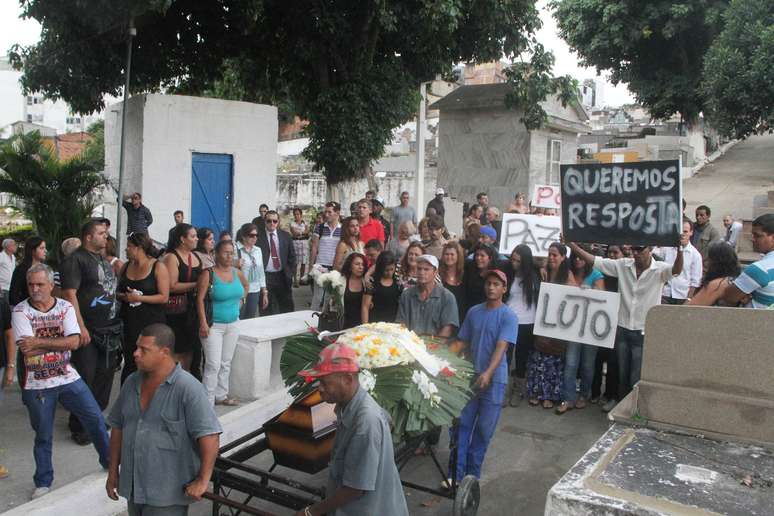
(40, 491)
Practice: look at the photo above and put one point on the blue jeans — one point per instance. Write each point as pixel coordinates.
(475, 429)
(628, 348)
(250, 308)
(583, 357)
(41, 405)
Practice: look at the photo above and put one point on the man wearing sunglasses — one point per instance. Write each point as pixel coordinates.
(640, 282)
(279, 262)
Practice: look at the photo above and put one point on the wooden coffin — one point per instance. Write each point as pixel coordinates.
(302, 436)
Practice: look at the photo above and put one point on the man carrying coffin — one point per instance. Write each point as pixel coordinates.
(640, 282)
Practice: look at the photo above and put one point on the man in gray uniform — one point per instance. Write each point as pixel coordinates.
(362, 477)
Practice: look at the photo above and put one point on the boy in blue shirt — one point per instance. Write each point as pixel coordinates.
(488, 330)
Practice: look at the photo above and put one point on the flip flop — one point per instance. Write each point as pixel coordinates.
(563, 408)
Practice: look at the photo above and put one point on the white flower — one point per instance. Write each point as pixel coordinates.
(367, 380)
(426, 387)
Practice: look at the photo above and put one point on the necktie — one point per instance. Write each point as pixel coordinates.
(275, 261)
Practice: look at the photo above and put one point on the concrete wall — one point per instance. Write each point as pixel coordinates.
(162, 133)
(483, 150)
(538, 156)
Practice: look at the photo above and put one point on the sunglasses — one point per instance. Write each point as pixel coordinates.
(272, 221)
(253, 235)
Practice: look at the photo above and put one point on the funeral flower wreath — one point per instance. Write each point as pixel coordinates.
(417, 381)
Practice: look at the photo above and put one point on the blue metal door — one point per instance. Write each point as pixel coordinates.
(211, 191)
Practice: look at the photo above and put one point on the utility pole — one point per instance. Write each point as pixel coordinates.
(127, 80)
(421, 131)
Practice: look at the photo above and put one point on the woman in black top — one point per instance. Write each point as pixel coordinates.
(184, 267)
(484, 259)
(143, 288)
(451, 272)
(353, 271)
(380, 301)
(34, 253)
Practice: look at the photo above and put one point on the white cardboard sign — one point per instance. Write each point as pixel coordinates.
(577, 314)
(547, 196)
(536, 231)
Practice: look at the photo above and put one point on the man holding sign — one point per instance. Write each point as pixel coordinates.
(640, 281)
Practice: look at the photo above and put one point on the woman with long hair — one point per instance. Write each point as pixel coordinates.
(437, 240)
(349, 243)
(227, 288)
(451, 271)
(250, 260)
(423, 229)
(380, 301)
(722, 266)
(143, 289)
(473, 217)
(111, 255)
(184, 268)
(299, 231)
(205, 247)
(522, 299)
(545, 366)
(353, 271)
(519, 204)
(34, 253)
(484, 259)
(407, 269)
(400, 243)
(579, 356)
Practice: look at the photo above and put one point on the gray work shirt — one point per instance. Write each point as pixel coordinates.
(429, 316)
(159, 448)
(363, 458)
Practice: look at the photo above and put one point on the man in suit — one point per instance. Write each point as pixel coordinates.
(279, 262)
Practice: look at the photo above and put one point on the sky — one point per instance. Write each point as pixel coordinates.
(26, 32)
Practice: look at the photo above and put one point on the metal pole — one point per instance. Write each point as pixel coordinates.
(421, 131)
(128, 76)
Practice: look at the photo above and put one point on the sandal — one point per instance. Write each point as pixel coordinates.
(534, 402)
(228, 402)
(548, 404)
(563, 408)
(580, 404)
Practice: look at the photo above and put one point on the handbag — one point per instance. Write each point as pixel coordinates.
(549, 346)
(208, 299)
(109, 341)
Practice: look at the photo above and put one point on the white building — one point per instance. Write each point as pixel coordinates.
(35, 108)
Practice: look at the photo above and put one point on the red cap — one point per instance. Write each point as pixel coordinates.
(500, 275)
(334, 358)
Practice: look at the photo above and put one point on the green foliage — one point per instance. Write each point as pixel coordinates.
(57, 196)
(94, 152)
(656, 47)
(739, 70)
(18, 233)
(533, 82)
(350, 67)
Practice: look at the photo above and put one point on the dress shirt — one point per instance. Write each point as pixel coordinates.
(691, 275)
(270, 264)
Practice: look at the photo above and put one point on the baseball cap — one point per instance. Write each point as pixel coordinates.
(334, 358)
(439, 191)
(380, 200)
(488, 231)
(500, 275)
(429, 258)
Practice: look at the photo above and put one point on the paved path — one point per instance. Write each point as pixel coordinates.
(729, 184)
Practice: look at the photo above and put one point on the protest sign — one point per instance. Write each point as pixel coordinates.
(547, 196)
(536, 231)
(635, 203)
(577, 314)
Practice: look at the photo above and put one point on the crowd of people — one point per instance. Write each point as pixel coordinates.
(167, 317)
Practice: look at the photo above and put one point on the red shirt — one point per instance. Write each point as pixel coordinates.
(373, 229)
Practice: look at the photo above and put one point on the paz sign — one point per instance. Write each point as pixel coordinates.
(536, 231)
(577, 314)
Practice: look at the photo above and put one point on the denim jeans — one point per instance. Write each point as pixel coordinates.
(578, 356)
(41, 405)
(219, 347)
(477, 425)
(250, 308)
(628, 346)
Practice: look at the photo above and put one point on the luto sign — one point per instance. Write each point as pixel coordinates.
(577, 314)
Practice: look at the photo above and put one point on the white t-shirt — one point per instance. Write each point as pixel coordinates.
(7, 265)
(53, 368)
(524, 312)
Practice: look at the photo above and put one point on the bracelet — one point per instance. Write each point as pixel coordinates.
(11, 366)
(307, 511)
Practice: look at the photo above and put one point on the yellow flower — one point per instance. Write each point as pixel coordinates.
(394, 351)
(372, 352)
(377, 341)
(358, 338)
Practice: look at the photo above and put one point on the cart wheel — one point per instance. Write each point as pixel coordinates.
(468, 497)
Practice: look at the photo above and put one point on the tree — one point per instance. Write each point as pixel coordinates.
(656, 47)
(738, 80)
(59, 197)
(94, 151)
(350, 67)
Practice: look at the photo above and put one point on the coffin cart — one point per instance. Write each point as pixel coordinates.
(301, 439)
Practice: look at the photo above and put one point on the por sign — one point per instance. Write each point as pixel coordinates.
(577, 314)
(547, 196)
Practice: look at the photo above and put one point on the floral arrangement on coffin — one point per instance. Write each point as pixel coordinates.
(397, 370)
